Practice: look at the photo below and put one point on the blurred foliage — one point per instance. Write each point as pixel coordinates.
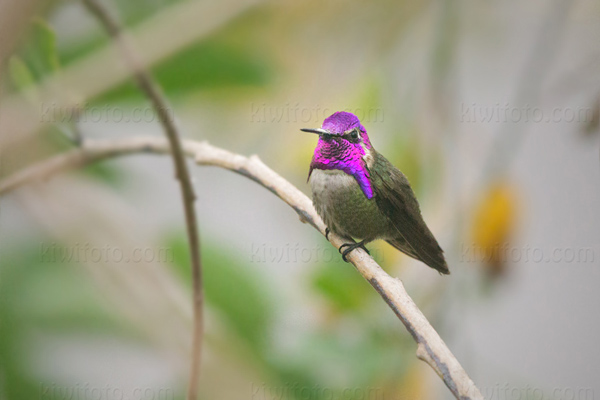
(215, 62)
(406, 159)
(106, 172)
(39, 53)
(206, 65)
(239, 294)
(40, 294)
(342, 286)
(132, 12)
(20, 74)
(35, 60)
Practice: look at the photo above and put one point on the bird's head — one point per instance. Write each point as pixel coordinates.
(344, 145)
(341, 132)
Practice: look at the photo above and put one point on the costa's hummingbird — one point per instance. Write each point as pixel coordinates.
(359, 194)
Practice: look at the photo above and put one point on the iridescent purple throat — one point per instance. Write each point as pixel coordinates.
(341, 154)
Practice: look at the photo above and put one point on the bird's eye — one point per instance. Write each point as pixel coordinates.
(354, 134)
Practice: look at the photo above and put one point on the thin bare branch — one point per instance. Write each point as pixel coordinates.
(430, 347)
(152, 90)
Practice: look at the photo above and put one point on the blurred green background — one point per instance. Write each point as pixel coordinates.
(490, 109)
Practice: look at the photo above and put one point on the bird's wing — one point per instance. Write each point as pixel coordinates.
(397, 201)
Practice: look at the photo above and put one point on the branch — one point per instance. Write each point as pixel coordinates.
(152, 90)
(430, 347)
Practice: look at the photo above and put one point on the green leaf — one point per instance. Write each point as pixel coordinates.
(40, 53)
(339, 283)
(212, 64)
(20, 75)
(205, 65)
(106, 172)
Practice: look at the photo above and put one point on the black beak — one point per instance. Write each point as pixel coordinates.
(317, 131)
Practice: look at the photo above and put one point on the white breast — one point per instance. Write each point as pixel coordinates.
(323, 181)
(329, 189)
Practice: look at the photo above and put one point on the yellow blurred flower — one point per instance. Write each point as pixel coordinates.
(493, 226)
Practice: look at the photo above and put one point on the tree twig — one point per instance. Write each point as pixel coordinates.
(430, 347)
(152, 90)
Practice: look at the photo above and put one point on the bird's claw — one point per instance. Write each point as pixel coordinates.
(352, 246)
(327, 232)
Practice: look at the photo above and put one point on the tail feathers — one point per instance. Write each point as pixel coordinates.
(433, 255)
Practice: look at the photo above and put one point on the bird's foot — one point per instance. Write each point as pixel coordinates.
(350, 247)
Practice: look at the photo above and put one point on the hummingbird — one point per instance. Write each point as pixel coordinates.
(360, 195)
